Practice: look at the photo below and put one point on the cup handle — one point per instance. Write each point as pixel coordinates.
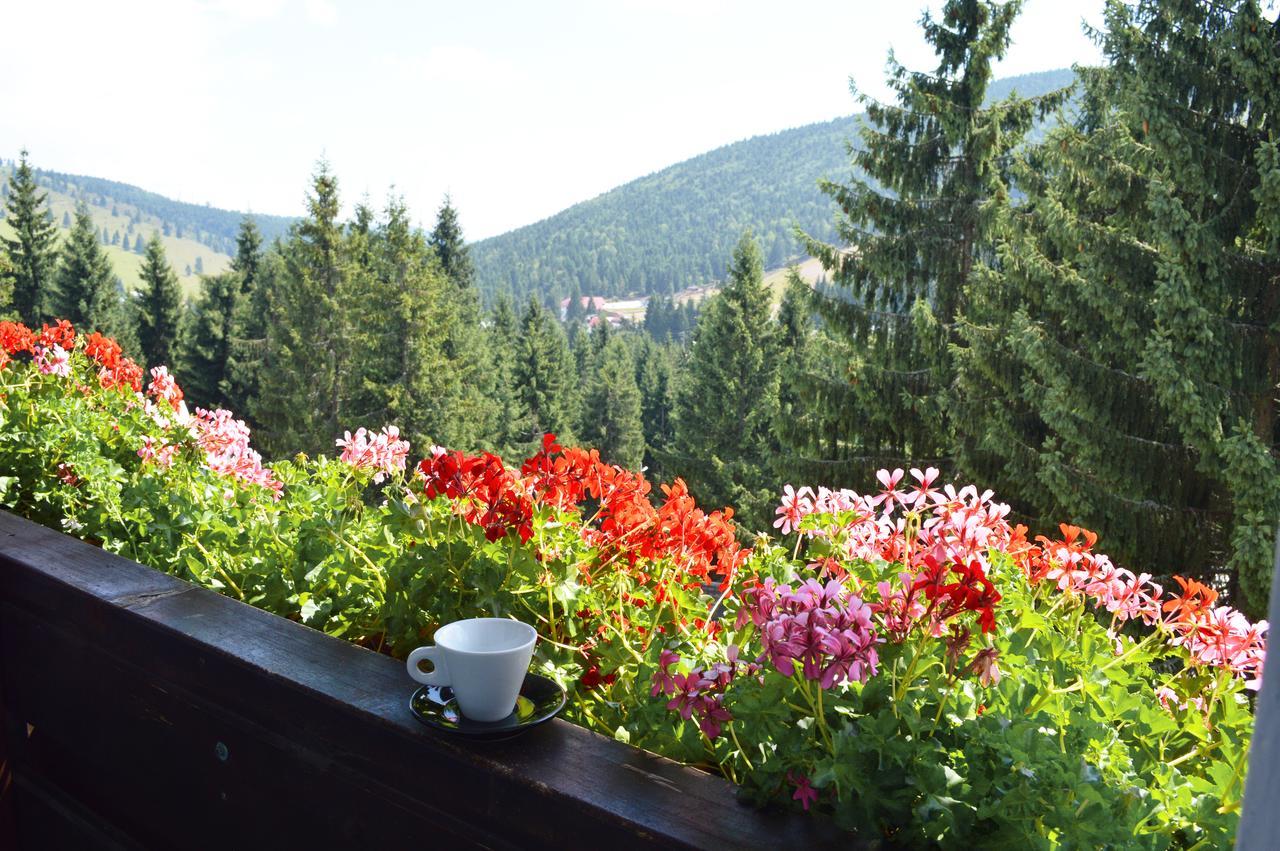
(438, 677)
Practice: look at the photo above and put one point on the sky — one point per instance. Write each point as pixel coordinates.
(515, 109)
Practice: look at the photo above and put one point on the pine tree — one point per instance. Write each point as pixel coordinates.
(451, 248)
(6, 287)
(158, 307)
(84, 290)
(32, 250)
(471, 408)
(401, 310)
(798, 356)
(728, 398)
(914, 224)
(583, 356)
(1125, 340)
(204, 341)
(299, 407)
(139, 247)
(655, 370)
(575, 311)
(247, 347)
(612, 419)
(66, 220)
(510, 426)
(248, 257)
(544, 379)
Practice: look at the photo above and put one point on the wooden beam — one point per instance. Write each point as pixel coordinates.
(188, 719)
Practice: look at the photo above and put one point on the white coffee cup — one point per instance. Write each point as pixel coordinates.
(483, 660)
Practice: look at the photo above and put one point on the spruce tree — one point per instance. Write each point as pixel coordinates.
(612, 413)
(544, 379)
(299, 407)
(1125, 340)
(204, 338)
(471, 407)
(84, 290)
(402, 313)
(247, 346)
(32, 250)
(157, 308)
(6, 287)
(728, 398)
(248, 257)
(912, 226)
(656, 366)
(798, 356)
(509, 426)
(451, 248)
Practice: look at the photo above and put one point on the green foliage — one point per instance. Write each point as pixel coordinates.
(398, 308)
(545, 380)
(611, 409)
(1121, 347)
(728, 399)
(84, 290)
(32, 250)
(451, 249)
(205, 339)
(657, 365)
(666, 320)
(465, 417)
(503, 336)
(6, 286)
(915, 219)
(300, 403)
(246, 355)
(157, 307)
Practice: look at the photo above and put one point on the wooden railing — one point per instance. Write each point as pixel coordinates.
(141, 711)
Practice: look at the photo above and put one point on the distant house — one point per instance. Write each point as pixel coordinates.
(591, 305)
(614, 320)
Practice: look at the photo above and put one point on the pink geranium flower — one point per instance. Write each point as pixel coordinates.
(163, 387)
(384, 452)
(53, 360)
(795, 505)
(804, 793)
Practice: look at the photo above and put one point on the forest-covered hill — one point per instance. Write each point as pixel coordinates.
(677, 227)
(197, 238)
(656, 235)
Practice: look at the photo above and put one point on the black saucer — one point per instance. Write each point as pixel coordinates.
(539, 701)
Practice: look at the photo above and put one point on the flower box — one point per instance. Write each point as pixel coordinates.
(139, 708)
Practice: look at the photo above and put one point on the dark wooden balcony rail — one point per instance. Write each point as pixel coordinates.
(141, 711)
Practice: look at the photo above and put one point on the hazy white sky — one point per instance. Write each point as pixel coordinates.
(517, 109)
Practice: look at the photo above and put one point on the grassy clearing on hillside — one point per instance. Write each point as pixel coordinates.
(182, 253)
(776, 281)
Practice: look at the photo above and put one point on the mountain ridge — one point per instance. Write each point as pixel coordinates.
(676, 227)
(658, 234)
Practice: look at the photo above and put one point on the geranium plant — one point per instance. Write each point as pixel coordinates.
(907, 660)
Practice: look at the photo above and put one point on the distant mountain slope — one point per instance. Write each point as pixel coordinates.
(197, 239)
(208, 225)
(677, 227)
